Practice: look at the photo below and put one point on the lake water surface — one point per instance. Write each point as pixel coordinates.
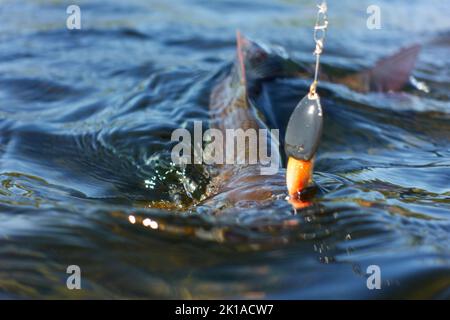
(85, 123)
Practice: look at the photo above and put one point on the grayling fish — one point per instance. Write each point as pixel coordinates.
(232, 107)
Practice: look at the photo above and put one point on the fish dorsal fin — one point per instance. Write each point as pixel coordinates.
(257, 61)
(241, 58)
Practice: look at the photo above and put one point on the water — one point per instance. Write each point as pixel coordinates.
(85, 124)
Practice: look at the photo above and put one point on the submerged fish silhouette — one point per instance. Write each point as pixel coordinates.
(233, 99)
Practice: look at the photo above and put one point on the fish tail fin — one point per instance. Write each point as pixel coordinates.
(389, 73)
(392, 73)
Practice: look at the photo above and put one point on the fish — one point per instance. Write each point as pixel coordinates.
(231, 107)
(234, 105)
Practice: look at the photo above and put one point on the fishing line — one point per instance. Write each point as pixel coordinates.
(320, 30)
(304, 127)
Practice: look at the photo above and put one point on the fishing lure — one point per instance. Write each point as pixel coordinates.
(304, 128)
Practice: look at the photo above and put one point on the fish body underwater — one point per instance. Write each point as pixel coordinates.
(232, 108)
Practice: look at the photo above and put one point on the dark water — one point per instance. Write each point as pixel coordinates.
(85, 124)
